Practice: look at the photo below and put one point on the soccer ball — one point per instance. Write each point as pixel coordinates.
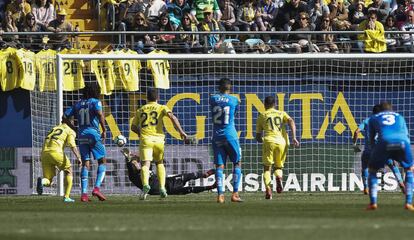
(120, 140)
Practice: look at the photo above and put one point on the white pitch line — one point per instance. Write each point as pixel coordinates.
(204, 228)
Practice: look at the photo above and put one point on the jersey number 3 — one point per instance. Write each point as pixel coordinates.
(388, 119)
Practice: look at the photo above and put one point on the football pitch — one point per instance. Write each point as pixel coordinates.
(287, 216)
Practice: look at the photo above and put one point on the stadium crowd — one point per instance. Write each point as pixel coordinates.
(372, 16)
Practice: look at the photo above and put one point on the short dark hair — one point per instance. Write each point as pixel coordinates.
(386, 106)
(152, 94)
(376, 109)
(91, 90)
(224, 84)
(270, 101)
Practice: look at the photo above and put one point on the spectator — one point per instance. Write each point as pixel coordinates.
(268, 11)
(326, 42)
(165, 40)
(247, 17)
(58, 41)
(402, 12)
(301, 41)
(373, 40)
(391, 39)
(408, 26)
(382, 8)
(176, 10)
(127, 12)
(143, 41)
(358, 15)
(9, 25)
(214, 43)
(44, 12)
(3, 5)
(33, 42)
(339, 15)
(288, 13)
(317, 9)
(154, 9)
(19, 9)
(198, 6)
(228, 18)
(191, 42)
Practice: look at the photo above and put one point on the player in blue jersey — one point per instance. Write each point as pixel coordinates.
(88, 112)
(392, 142)
(225, 140)
(363, 128)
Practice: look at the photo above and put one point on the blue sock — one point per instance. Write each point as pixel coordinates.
(373, 187)
(100, 175)
(395, 170)
(84, 179)
(219, 180)
(409, 187)
(236, 178)
(365, 174)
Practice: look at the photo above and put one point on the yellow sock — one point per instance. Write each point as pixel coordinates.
(68, 185)
(45, 182)
(145, 175)
(279, 173)
(161, 175)
(267, 178)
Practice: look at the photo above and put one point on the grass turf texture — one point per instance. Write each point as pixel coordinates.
(287, 216)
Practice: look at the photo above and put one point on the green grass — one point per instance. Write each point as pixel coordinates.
(287, 216)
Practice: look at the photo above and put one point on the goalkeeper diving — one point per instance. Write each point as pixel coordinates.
(174, 185)
(53, 156)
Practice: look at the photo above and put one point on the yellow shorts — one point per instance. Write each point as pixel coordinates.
(274, 153)
(151, 150)
(53, 160)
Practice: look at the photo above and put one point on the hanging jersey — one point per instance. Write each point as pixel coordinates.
(126, 72)
(72, 72)
(10, 64)
(273, 123)
(59, 137)
(160, 71)
(390, 127)
(223, 109)
(149, 119)
(46, 67)
(104, 75)
(86, 112)
(27, 70)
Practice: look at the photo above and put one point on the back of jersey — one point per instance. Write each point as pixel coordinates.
(390, 126)
(86, 111)
(58, 138)
(223, 109)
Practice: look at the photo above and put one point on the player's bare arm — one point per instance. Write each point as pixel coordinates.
(77, 155)
(292, 126)
(102, 123)
(177, 125)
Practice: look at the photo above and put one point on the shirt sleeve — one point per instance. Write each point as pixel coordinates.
(286, 117)
(98, 105)
(165, 110)
(70, 141)
(70, 112)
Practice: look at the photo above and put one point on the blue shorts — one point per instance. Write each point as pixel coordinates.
(91, 142)
(397, 150)
(224, 148)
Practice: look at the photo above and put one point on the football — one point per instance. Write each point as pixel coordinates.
(120, 140)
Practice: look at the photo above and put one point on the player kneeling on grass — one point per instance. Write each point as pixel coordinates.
(363, 128)
(392, 143)
(174, 185)
(148, 124)
(273, 123)
(53, 156)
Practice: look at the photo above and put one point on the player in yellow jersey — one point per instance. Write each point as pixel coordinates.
(53, 156)
(148, 124)
(273, 123)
